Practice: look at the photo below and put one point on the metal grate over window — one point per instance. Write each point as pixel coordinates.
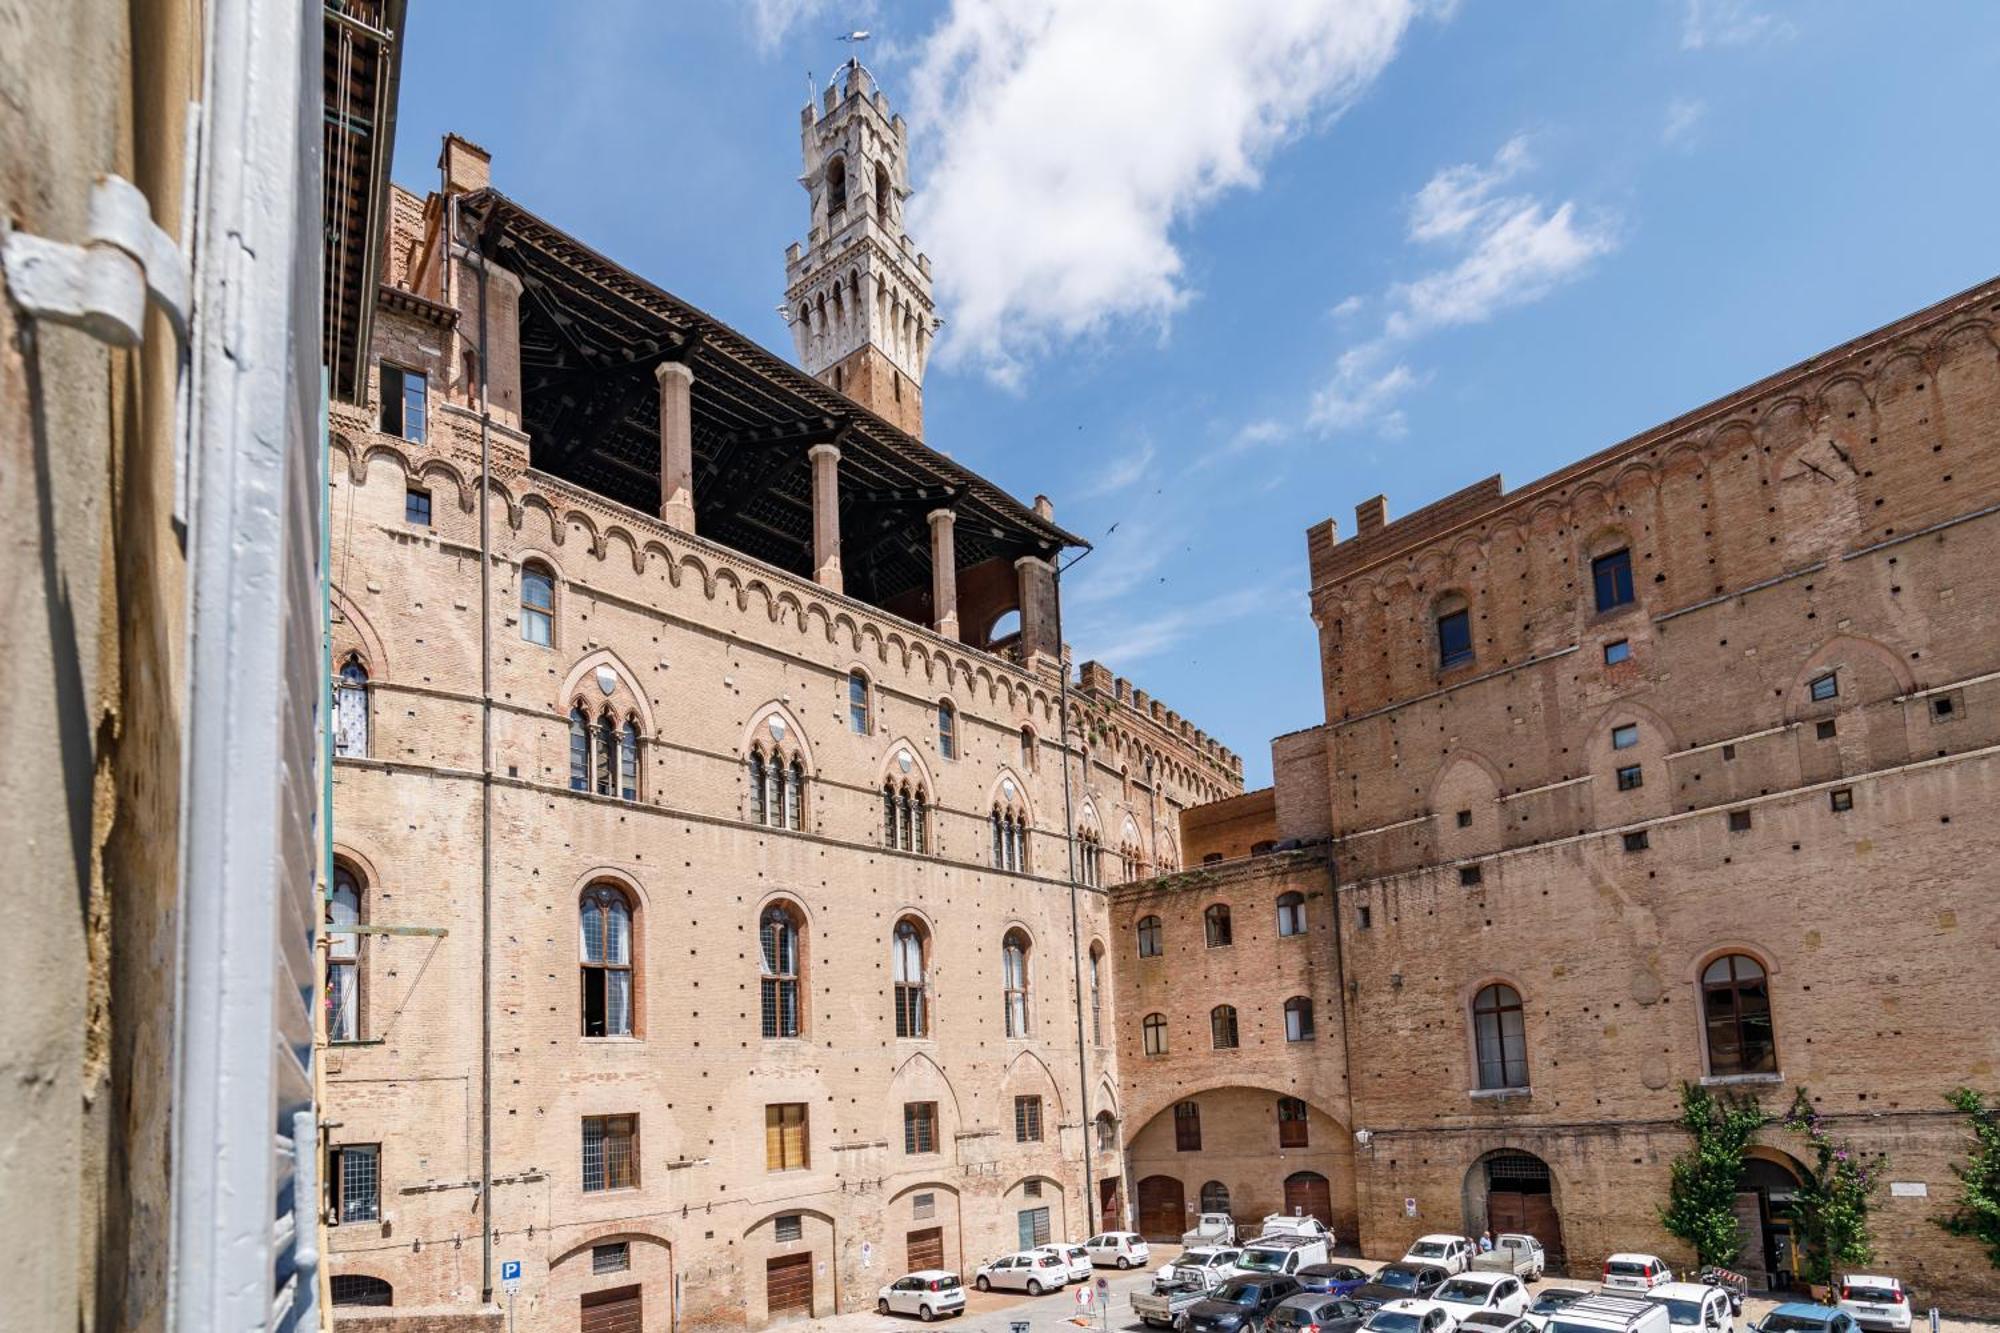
(610, 1157)
(360, 1182)
(613, 1258)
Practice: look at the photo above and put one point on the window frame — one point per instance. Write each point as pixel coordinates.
(1292, 920)
(1831, 680)
(920, 1126)
(1151, 930)
(606, 896)
(1016, 951)
(628, 1179)
(1305, 1028)
(1625, 736)
(1616, 651)
(781, 974)
(1735, 987)
(1611, 579)
(1630, 777)
(344, 961)
(1223, 1033)
(1153, 1034)
(400, 393)
(344, 1209)
(353, 705)
(1294, 1111)
(947, 730)
(532, 614)
(777, 1121)
(1505, 1068)
(911, 997)
(1450, 658)
(1028, 1118)
(860, 711)
(415, 497)
(1218, 930)
(1187, 1126)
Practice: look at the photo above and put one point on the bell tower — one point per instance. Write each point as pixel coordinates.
(858, 294)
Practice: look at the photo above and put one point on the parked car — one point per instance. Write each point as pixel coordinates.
(926, 1295)
(1396, 1282)
(1496, 1321)
(1075, 1256)
(1213, 1264)
(1168, 1303)
(1551, 1300)
(1119, 1249)
(1240, 1304)
(1801, 1317)
(1211, 1229)
(1483, 1291)
(1514, 1252)
(1032, 1271)
(1411, 1316)
(1695, 1307)
(1636, 1272)
(1608, 1313)
(1451, 1253)
(1331, 1279)
(1316, 1312)
(1282, 1254)
(1875, 1302)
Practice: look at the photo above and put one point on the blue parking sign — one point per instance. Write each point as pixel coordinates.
(510, 1274)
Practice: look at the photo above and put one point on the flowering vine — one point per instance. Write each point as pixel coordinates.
(1701, 1193)
(1977, 1216)
(1832, 1202)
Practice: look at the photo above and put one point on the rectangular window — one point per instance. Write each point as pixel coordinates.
(613, 1258)
(1034, 1228)
(417, 507)
(1728, 754)
(404, 397)
(1032, 1189)
(785, 1138)
(1292, 1123)
(1824, 687)
(1454, 638)
(610, 1152)
(356, 1173)
(1612, 575)
(1187, 1127)
(1469, 876)
(1364, 918)
(922, 1206)
(1625, 737)
(1826, 730)
(919, 1127)
(1637, 842)
(789, 1226)
(1465, 819)
(1739, 821)
(1943, 708)
(1618, 650)
(1841, 799)
(1630, 778)
(1027, 1120)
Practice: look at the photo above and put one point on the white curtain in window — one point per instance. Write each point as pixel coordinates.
(350, 711)
(343, 960)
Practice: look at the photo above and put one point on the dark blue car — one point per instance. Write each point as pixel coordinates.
(1333, 1279)
(1799, 1317)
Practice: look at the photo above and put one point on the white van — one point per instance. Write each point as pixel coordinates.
(1610, 1314)
(1281, 1254)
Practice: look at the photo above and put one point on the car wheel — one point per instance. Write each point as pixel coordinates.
(882, 1307)
(1180, 1323)
(925, 1313)
(983, 1284)
(1034, 1287)
(1123, 1262)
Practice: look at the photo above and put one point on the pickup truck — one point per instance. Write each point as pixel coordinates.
(1168, 1303)
(1297, 1224)
(1211, 1229)
(1212, 1265)
(1513, 1252)
(1277, 1253)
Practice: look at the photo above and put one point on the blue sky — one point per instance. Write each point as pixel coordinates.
(1214, 272)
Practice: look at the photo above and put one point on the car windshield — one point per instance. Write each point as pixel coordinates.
(1430, 1249)
(1261, 1261)
(1393, 1321)
(1458, 1289)
(1683, 1312)
(1403, 1279)
(1791, 1323)
(1240, 1293)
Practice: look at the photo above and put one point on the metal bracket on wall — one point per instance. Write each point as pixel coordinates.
(102, 285)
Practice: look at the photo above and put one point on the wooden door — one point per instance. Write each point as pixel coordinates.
(614, 1311)
(788, 1286)
(924, 1249)
(1162, 1208)
(1753, 1262)
(1309, 1193)
(1111, 1215)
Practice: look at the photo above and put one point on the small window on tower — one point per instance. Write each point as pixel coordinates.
(1618, 650)
(836, 185)
(417, 507)
(1465, 819)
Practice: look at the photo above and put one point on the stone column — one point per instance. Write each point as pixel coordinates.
(676, 444)
(826, 515)
(944, 573)
(1038, 607)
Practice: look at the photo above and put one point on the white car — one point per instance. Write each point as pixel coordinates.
(1483, 1291)
(1075, 1256)
(1635, 1272)
(1032, 1271)
(1875, 1302)
(1492, 1321)
(1119, 1249)
(1451, 1253)
(1694, 1307)
(926, 1295)
(1213, 1264)
(1411, 1316)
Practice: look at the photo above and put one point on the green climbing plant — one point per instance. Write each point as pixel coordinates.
(1977, 1215)
(1701, 1190)
(1832, 1203)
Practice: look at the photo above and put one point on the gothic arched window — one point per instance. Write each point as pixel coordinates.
(350, 709)
(779, 969)
(343, 958)
(907, 953)
(1500, 1037)
(1014, 980)
(605, 960)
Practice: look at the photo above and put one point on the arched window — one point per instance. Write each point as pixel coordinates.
(1028, 752)
(947, 731)
(1009, 826)
(1454, 632)
(350, 709)
(757, 810)
(1107, 1132)
(1152, 940)
(1291, 914)
(777, 788)
(836, 185)
(905, 816)
(883, 193)
(358, 1289)
(343, 958)
(607, 754)
(1014, 978)
(1500, 1036)
(1292, 1123)
(907, 956)
(1090, 858)
(1222, 1027)
(1154, 1030)
(1736, 1016)
(1215, 922)
(1215, 1197)
(538, 605)
(628, 761)
(579, 749)
(1298, 1019)
(795, 789)
(779, 967)
(857, 703)
(1097, 994)
(605, 957)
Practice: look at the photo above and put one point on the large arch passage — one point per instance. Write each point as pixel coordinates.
(1766, 1193)
(1162, 1208)
(1510, 1189)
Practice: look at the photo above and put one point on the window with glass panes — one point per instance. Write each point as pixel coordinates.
(610, 1152)
(785, 1144)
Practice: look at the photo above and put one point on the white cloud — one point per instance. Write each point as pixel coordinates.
(1514, 249)
(1121, 642)
(773, 20)
(1121, 472)
(1731, 23)
(1350, 307)
(1684, 117)
(1073, 135)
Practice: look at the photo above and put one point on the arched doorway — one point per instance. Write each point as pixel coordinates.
(1309, 1194)
(1511, 1190)
(1766, 1192)
(1162, 1208)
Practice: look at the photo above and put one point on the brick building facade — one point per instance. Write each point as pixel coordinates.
(703, 934)
(1676, 765)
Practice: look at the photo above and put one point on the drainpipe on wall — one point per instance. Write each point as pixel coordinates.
(1075, 912)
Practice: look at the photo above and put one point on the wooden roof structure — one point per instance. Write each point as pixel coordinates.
(591, 336)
